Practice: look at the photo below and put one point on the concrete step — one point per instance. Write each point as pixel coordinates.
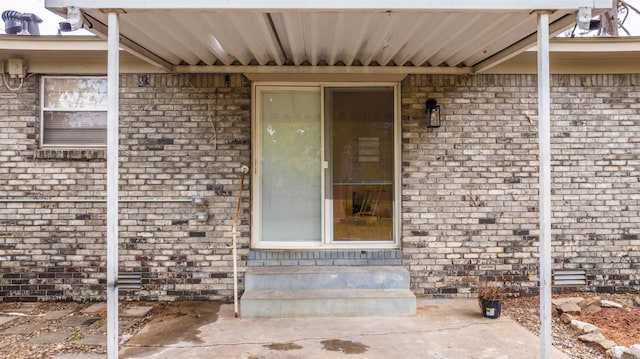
(327, 302)
(309, 291)
(326, 277)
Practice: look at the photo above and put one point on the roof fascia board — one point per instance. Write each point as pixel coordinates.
(608, 44)
(52, 43)
(344, 5)
(93, 66)
(523, 45)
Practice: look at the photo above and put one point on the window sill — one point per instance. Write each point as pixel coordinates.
(84, 154)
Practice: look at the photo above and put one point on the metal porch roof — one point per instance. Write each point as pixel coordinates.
(468, 35)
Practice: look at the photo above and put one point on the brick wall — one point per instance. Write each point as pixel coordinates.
(470, 205)
(469, 190)
(181, 135)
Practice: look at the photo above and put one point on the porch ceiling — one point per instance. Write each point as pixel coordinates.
(401, 34)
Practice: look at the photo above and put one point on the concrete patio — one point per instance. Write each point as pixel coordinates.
(442, 328)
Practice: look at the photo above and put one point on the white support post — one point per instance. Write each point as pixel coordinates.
(113, 74)
(544, 140)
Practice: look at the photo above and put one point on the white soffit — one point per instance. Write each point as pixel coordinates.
(399, 33)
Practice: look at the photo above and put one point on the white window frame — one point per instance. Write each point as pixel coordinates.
(44, 109)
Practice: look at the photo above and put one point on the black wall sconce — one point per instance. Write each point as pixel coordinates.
(433, 113)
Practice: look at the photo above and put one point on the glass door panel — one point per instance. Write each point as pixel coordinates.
(290, 167)
(360, 146)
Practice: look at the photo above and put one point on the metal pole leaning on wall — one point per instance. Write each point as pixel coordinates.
(234, 243)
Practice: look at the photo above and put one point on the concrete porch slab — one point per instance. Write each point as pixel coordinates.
(443, 328)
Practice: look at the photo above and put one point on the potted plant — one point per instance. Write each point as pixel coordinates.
(490, 300)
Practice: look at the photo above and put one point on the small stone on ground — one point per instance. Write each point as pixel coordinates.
(610, 304)
(94, 308)
(598, 338)
(135, 311)
(4, 320)
(618, 351)
(590, 305)
(21, 329)
(560, 301)
(570, 308)
(56, 314)
(583, 327)
(566, 318)
(122, 326)
(94, 340)
(79, 321)
(51, 338)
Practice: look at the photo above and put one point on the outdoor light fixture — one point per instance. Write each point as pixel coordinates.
(583, 19)
(433, 113)
(74, 20)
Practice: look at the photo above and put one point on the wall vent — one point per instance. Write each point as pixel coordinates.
(569, 278)
(129, 281)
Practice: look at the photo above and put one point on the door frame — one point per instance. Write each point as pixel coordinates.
(325, 243)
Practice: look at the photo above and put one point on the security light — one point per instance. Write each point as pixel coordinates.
(74, 20)
(583, 19)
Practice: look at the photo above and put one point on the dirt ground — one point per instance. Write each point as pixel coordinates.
(622, 325)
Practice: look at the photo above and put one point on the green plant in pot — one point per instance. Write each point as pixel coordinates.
(490, 299)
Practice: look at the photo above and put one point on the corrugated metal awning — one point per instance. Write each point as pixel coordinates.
(415, 35)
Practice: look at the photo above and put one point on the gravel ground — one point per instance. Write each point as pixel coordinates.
(524, 310)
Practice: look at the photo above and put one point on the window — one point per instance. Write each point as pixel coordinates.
(326, 162)
(74, 111)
